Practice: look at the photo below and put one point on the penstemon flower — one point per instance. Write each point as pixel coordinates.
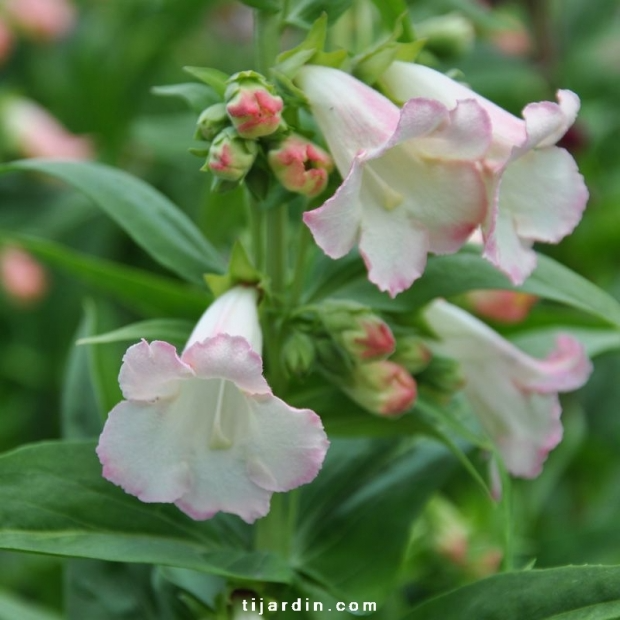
(411, 182)
(203, 430)
(514, 396)
(536, 192)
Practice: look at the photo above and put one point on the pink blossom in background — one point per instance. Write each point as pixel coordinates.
(22, 277)
(34, 132)
(536, 192)
(203, 430)
(513, 395)
(42, 19)
(6, 41)
(411, 182)
(501, 306)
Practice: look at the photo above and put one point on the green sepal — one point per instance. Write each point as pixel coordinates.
(240, 271)
(212, 77)
(221, 186)
(371, 65)
(197, 96)
(199, 152)
(258, 181)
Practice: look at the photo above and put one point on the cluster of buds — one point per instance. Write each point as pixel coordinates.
(352, 345)
(249, 123)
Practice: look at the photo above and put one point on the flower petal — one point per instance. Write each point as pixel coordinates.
(152, 371)
(544, 193)
(287, 445)
(546, 122)
(228, 357)
(335, 225)
(394, 248)
(142, 450)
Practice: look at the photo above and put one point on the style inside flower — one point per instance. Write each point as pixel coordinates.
(203, 430)
(301, 166)
(411, 184)
(514, 396)
(536, 192)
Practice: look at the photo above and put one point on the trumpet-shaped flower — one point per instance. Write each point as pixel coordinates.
(411, 182)
(203, 429)
(514, 396)
(536, 192)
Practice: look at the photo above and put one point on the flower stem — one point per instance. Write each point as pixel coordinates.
(303, 244)
(266, 39)
(273, 532)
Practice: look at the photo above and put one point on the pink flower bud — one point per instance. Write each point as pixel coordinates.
(371, 339)
(252, 106)
(502, 306)
(34, 132)
(301, 166)
(383, 387)
(230, 156)
(22, 277)
(42, 19)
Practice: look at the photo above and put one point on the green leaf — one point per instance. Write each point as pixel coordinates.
(175, 331)
(358, 513)
(268, 6)
(569, 593)
(214, 78)
(304, 13)
(393, 10)
(139, 290)
(145, 214)
(15, 608)
(55, 501)
(198, 96)
(458, 273)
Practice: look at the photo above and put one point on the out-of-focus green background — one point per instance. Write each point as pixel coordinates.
(96, 79)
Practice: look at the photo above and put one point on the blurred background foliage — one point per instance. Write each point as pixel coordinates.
(96, 79)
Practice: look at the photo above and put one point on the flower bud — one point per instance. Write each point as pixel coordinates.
(230, 156)
(211, 121)
(6, 41)
(298, 353)
(252, 105)
(447, 35)
(41, 19)
(383, 387)
(501, 306)
(363, 335)
(412, 353)
(22, 277)
(301, 166)
(443, 377)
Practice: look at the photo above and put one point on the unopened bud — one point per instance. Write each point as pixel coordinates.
(412, 353)
(447, 35)
(301, 166)
(502, 306)
(298, 353)
(230, 156)
(364, 336)
(443, 376)
(449, 530)
(383, 387)
(252, 105)
(211, 122)
(21, 276)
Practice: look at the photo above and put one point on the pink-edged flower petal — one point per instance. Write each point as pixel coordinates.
(544, 193)
(513, 395)
(152, 371)
(412, 184)
(335, 225)
(140, 450)
(228, 357)
(287, 445)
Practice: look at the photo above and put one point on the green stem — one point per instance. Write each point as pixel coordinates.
(277, 223)
(508, 509)
(273, 532)
(266, 39)
(300, 264)
(256, 223)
